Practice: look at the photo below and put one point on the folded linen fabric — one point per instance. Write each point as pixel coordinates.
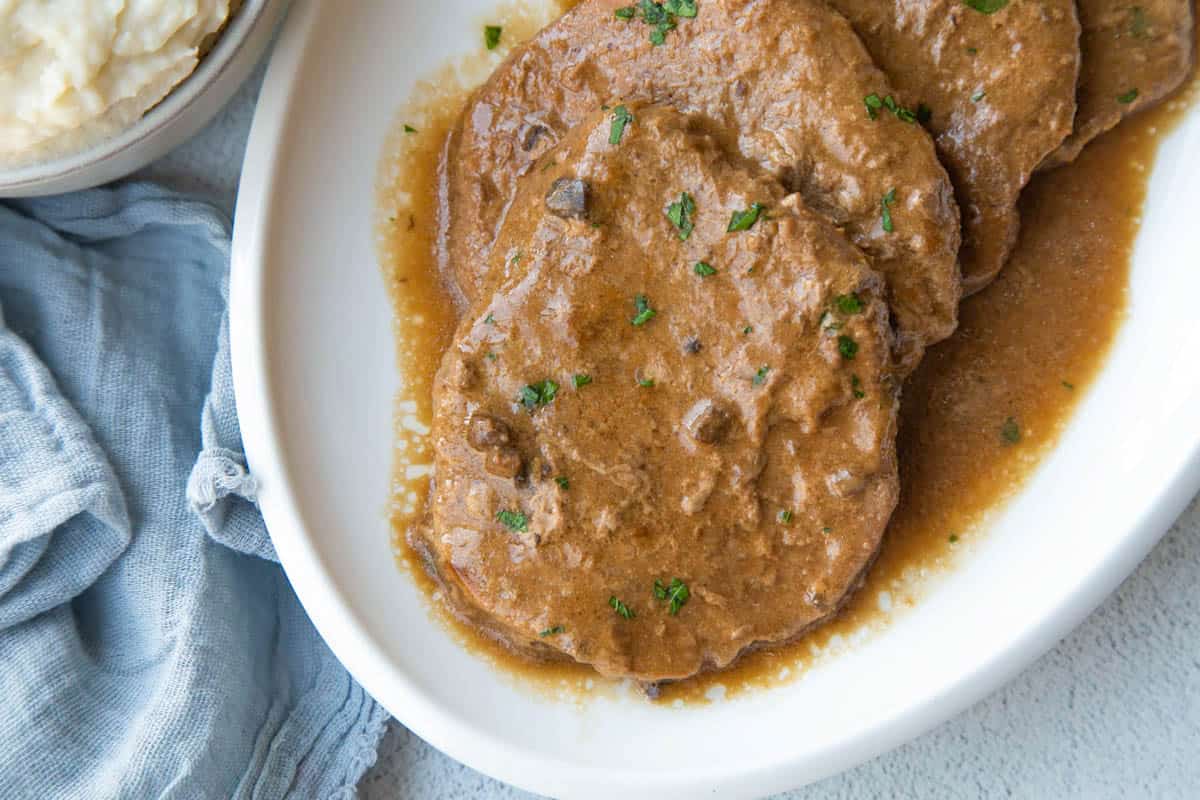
(149, 644)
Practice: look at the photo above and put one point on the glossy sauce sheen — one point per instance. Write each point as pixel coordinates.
(978, 415)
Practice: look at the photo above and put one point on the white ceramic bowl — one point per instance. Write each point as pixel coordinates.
(314, 371)
(180, 114)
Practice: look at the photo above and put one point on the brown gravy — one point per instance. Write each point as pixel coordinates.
(978, 416)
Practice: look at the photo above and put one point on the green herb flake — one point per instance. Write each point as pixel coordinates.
(1010, 431)
(681, 8)
(489, 319)
(557, 629)
(1128, 97)
(848, 303)
(623, 611)
(873, 102)
(534, 395)
(646, 383)
(744, 220)
(621, 118)
(826, 531)
(409, 129)
(760, 377)
(704, 269)
(1068, 385)
(644, 312)
(580, 379)
(674, 593)
(986, 6)
(885, 213)
(490, 356)
(1139, 25)
(513, 520)
(563, 482)
(972, 51)
(847, 347)
(491, 36)
(747, 330)
(979, 95)
(785, 517)
(681, 213)
(954, 538)
(660, 17)
(856, 387)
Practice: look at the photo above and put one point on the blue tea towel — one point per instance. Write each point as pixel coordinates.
(150, 646)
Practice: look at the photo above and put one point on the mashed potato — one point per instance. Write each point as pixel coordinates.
(73, 71)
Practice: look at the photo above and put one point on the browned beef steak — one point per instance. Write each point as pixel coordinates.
(783, 81)
(1134, 55)
(1000, 87)
(669, 435)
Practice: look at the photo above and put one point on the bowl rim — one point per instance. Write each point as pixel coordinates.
(212, 67)
(350, 637)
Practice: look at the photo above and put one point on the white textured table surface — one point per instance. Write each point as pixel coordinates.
(1112, 712)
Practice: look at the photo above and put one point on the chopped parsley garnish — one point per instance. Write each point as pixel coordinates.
(953, 538)
(552, 631)
(680, 213)
(513, 520)
(986, 6)
(562, 482)
(489, 319)
(490, 356)
(847, 347)
(848, 303)
(744, 220)
(874, 104)
(972, 51)
(659, 16)
(516, 259)
(747, 330)
(979, 95)
(826, 530)
(785, 517)
(760, 377)
(622, 610)
(1068, 385)
(646, 383)
(409, 129)
(885, 214)
(675, 593)
(538, 394)
(491, 36)
(681, 8)
(1010, 431)
(644, 312)
(704, 269)
(1140, 25)
(621, 118)
(579, 380)
(1128, 97)
(856, 387)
